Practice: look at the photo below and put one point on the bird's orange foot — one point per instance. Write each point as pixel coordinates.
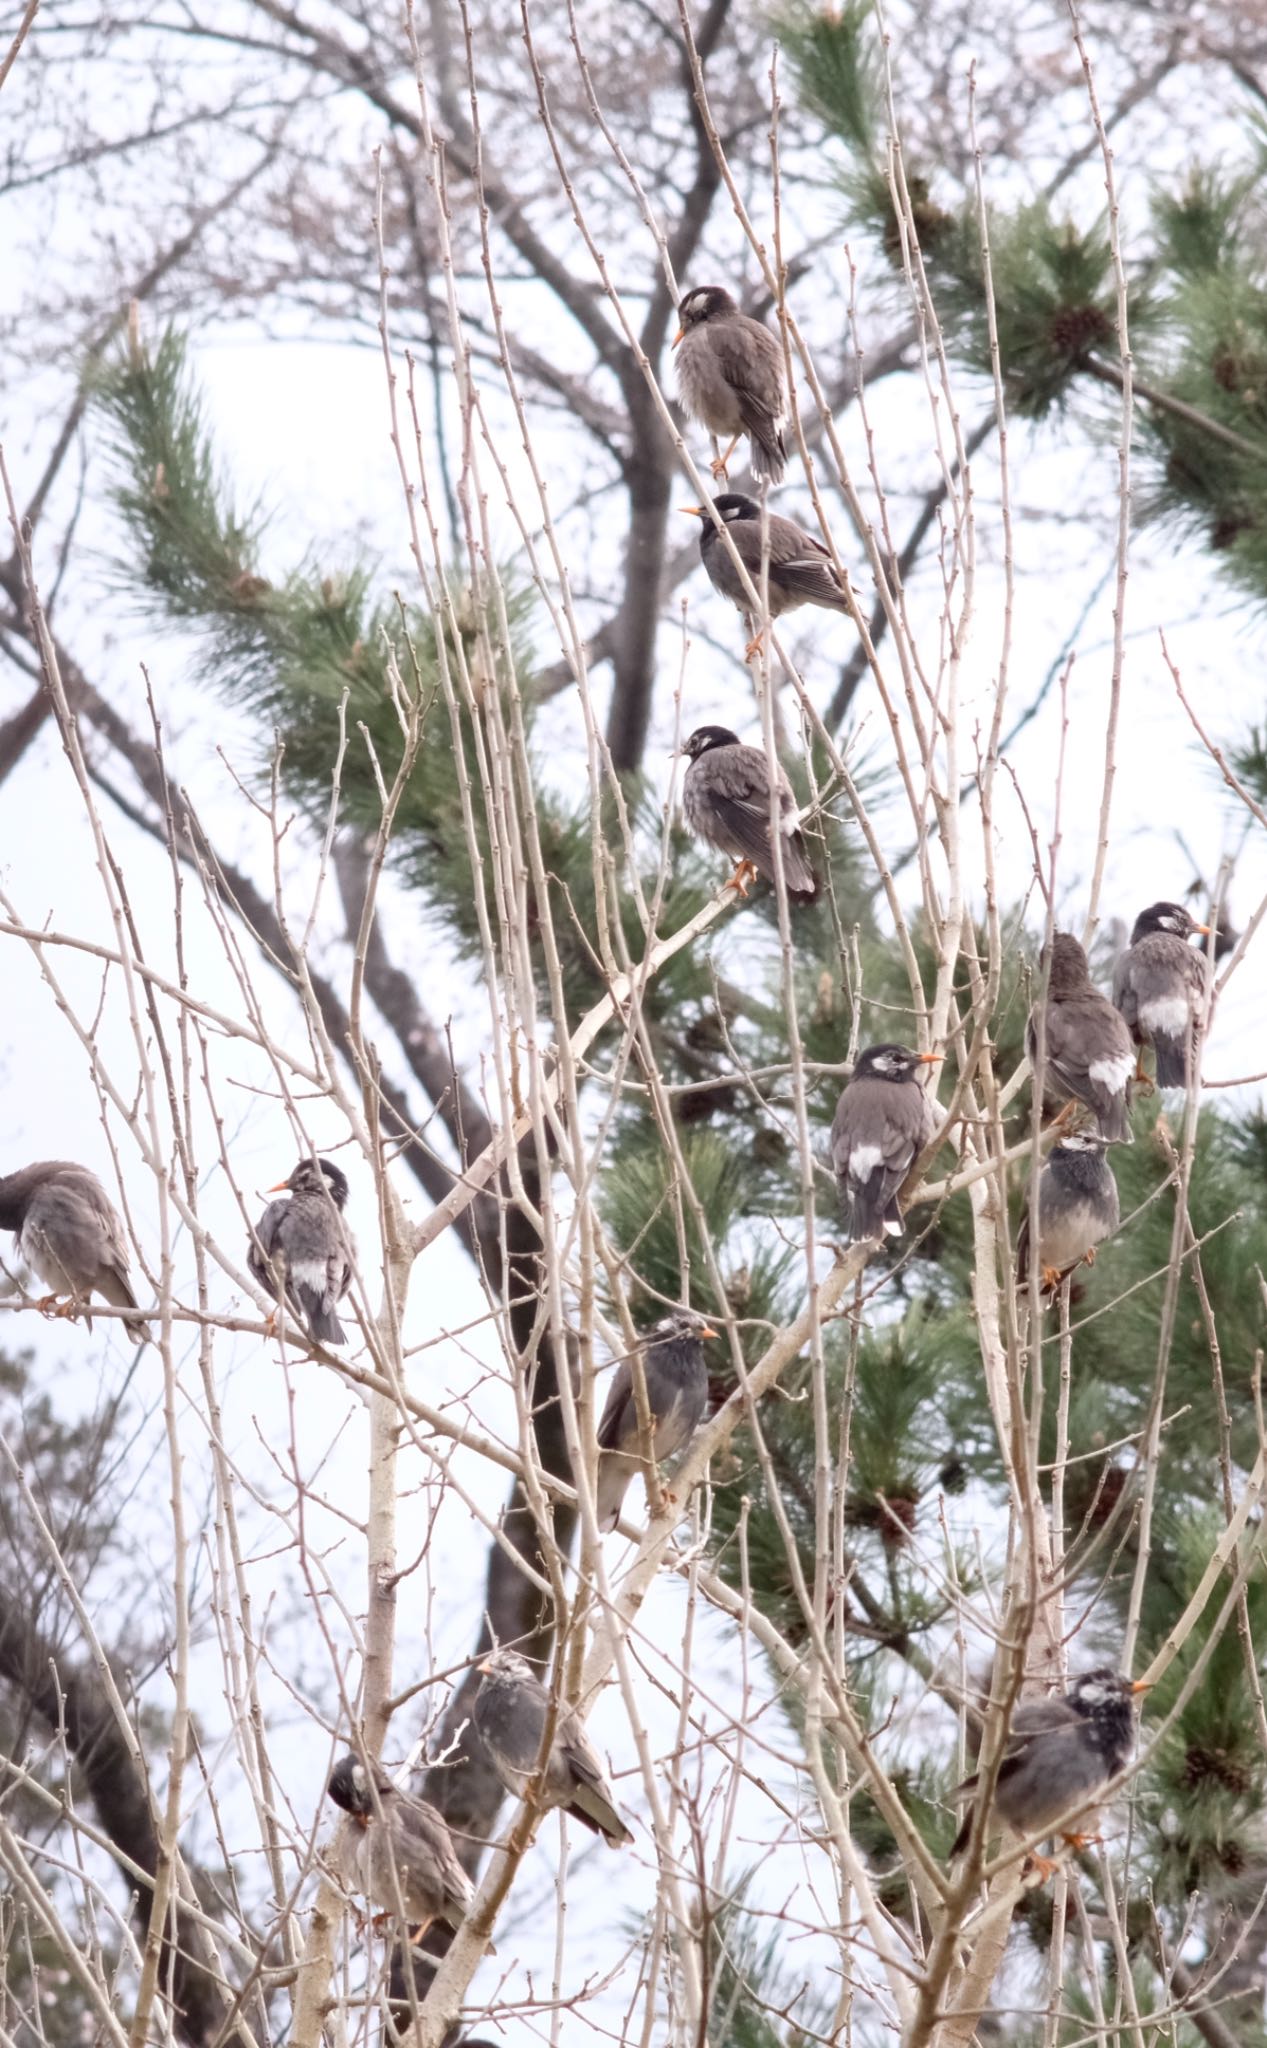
(718, 467)
(270, 1324)
(754, 645)
(1046, 1867)
(416, 1933)
(1141, 1079)
(1052, 1277)
(1079, 1842)
(1088, 1257)
(743, 878)
(53, 1305)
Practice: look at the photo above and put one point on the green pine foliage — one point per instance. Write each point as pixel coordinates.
(753, 1982)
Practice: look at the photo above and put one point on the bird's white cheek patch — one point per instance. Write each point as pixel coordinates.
(863, 1161)
(1169, 1015)
(1112, 1074)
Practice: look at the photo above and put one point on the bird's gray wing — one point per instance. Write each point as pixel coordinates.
(264, 1246)
(619, 1419)
(739, 788)
(592, 1800)
(1090, 1055)
(801, 565)
(1031, 1718)
(424, 1848)
(878, 1133)
(752, 364)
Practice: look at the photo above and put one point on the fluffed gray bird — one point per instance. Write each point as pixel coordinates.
(730, 377)
(401, 1850)
(1159, 987)
(883, 1121)
(799, 569)
(1059, 1756)
(300, 1249)
(676, 1380)
(1089, 1055)
(1078, 1208)
(726, 800)
(70, 1235)
(511, 1710)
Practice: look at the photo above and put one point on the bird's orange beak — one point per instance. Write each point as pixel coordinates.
(277, 1188)
(698, 512)
(706, 1332)
(1141, 1685)
(927, 1058)
(485, 1667)
(1204, 930)
(678, 336)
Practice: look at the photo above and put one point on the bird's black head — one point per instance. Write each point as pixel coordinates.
(891, 1063)
(1080, 1143)
(319, 1177)
(349, 1787)
(681, 1325)
(731, 508)
(1167, 917)
(706, 737)
(506, 1667)
(1105, 1696)
(735, 505)
(706, 302)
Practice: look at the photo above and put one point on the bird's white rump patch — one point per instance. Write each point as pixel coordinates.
(313, 1273)
(1113, 1074)
(1167, 1014)
(863, 1161)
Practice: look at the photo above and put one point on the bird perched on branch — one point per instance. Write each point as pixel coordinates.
(726, 796)
(676, 1380)
(1059, 1756)
(799, 567)
(512, 1710)
(300, 1250)
(1077, 1209)
(730, 377)
(883, 1121)
(1088, 1054)
(70, 1235)
(402, 1853)
(1159, 987)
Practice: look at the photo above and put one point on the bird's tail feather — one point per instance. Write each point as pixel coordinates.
(1172, 1061)
(324, 1326)
(599, 1814)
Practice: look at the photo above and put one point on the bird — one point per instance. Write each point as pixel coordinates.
(402, 1853)
(726, 797)
(301, 1249)
(1159, 987)
(1088, 1051)
(883, 1121)
(1077, 1208)
(799, 569)
(511, 1710)
(730, 378)
(677, 1394)
(1059, 1755)
(70, 1234)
